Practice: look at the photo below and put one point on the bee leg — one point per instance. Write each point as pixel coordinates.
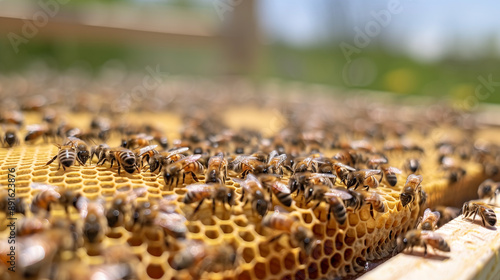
(52, 160)
(316, 206)
(198, 207)
(243, 195)
(425, 249)
(118, 169)
(371, 211)
(276, 238)
(194, 177)
(213, 206)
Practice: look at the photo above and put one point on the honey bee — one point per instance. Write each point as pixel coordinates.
(413, 165)
(430, 220)
(36, 131)
(9, 206)
(347, 157)
(100, 151)
(145, 153)
(172, 223)
(487, 214)
(343, 171)
(10, 138)
(188, 165)
(49, 195)
(309, 163)
(286, 224)
(137, 141)
(121, 205)
(81, 149)
(412, 185)
(390, 174)
(92, 213)
(376, 160)
(217, 169)
(245, 164)
(375, 200)
(333, 197)
(488, 189)
(322, 179)
(201, 258)
(31, 225)
(423, 238)
(66, 156)
(102, 126)
(275, 162)
(275, 186)
(158, 160)
(125, 159)
(365, 178)
(12, 117)
(447, 214)
(252, 190)
(455, 172)
(215, 192)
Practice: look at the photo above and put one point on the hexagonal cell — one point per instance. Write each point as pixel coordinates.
(328, 247)
(155, 250)
(212, 234)
(245, 275)
(324, 265)
(155, 271)
(248, 255)
(260, 270)
(307, 217)
(348, 253)
(226, 228)
(319, 230)
(312, 271)
(336, 261)
(290, 261)
(300, 275)
(275, 266)
(361, 230)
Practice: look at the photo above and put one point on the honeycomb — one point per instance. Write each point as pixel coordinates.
(341, 249)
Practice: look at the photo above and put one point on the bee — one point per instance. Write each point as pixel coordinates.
(201, 258)
(333, 197)
(447, 214)
(275, 162)
(306, 164)
(413, 165)
(429, 220)
(365, 178)
(286, 224)
(145, 153)
(49, 195)
(215, 192)
(343, 171)
(10, 138)
(375, 200)
(8, 205)
(137, 141)
(125, 159)
(158, 160)
(92, 213)
(347, 157)
(253, 191)
(487, 214)
(217, 169)
(121, 205)
(100, 151)
(246, 164)
(299, 181)
(12, 117)
(36, 131)
(376, 160)
(455, 172)
(102, 126)
(66, 156)
(31, 225)
(390, 174)
(81, 148)
(412, 185)
(423, 238)
(173, 172)
(488, 189)
(172, 223)
(275, 186)
(322, 179)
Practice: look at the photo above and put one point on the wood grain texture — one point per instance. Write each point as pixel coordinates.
(475, 254)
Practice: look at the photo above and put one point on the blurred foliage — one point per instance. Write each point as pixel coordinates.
(453, 78)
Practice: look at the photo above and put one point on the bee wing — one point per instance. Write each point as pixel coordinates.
(411, 177)
(371, 172)
(240, 159)
(430, 235)
(35, 127)
(272, 155)
(42, 187)
(177, 151)
(82, 205)
(378, 160)
(140, 192)
(394, 170)
(146, 149)
(189, 159)
(344, 195)
(280, 210)
(281, 187)
(345, 166)
(323, 175)
(170, 220)
(198, 186)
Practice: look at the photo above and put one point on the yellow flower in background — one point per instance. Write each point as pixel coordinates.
(401, 80)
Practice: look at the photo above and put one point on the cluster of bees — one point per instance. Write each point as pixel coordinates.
(269, 175)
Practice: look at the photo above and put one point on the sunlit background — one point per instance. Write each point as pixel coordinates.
(422, 47)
